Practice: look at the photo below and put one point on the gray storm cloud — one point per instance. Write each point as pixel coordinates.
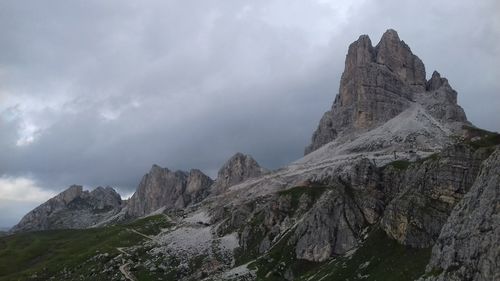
(95, 92)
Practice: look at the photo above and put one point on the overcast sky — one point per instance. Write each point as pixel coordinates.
(95, 92)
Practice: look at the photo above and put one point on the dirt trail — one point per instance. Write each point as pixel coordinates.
(120, 249)
(126, 273)
(142, 234)
(124, 268)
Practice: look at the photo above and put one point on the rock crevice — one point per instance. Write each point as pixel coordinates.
(468, 245)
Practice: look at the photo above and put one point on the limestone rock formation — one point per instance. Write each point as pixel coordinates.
(197, 187)
(332, 227)
(379, 83)
(324, 216)
(72, 208)
(237, 169)
(468, 246)
(424, 193)
(171, 190)
(440, 100)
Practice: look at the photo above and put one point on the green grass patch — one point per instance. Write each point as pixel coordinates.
(434, 272)
(197, 262)
(404, 164)
(48, 252)
(145, 275)
(433, 157)
(150, 225)
(256, 233)
(486, 141)
(313, 191)
(475, 132)
(400, 164)
(478, 138)
(281, 258)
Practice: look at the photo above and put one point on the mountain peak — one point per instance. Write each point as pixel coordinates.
(70, 193)
(361, 52)
(398, 58)
(237, 169)
(72, 208)
(390, 35)
(435, 82)
(156, 168)
(436, 74)
(161, 187)
(379, 83)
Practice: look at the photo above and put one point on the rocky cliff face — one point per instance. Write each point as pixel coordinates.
(162, 188)
(237, 169)
(425, 192)
(332, 227)
(468, 245)
(72, 208)
(379, 83)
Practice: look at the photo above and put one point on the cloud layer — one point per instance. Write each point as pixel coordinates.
(95, 92)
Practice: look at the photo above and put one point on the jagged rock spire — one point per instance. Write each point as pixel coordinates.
(238, 168)
(435, 82)
(162, 187)
(397, 56)
(377, 84)
(72, 208)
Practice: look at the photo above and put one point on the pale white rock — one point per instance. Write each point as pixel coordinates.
(238, 168)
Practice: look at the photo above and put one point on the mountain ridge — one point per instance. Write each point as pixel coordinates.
(394, 162)
(72, 208)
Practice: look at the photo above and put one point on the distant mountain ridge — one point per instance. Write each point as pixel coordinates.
(160, 188)
(72, 208)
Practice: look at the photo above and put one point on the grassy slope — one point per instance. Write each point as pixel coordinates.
(482, 139)
(314, 192)
(23, 254)
(48, 252)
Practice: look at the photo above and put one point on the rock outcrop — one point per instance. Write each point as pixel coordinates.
(440, 100)
(424, 193)
(323, 216)
(72, 208)
(237, 169)
(332, 227)
(162, 188)
(197, 187)
(468, 246)
(379, 83)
